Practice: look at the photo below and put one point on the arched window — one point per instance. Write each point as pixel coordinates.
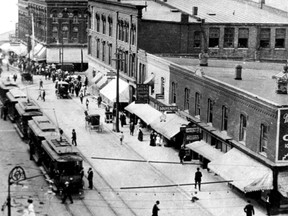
(243, 128)
(186, 99)
(174, 92)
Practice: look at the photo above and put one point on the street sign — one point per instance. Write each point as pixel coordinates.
(168, 108)
(159, 96)
(142, 93)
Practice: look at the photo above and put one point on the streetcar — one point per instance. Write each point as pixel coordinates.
(5, 86)
(25, 111)
(62, 89)
(13, 96)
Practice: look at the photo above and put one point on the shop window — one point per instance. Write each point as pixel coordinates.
(197, 39)
(210, 111)
(197, 104)
(214, 35)
(263, 138)
(243, 36)
(229, 37)
(280, 38)
(224, 124)
(173, 93)
(265, 38)
(243, 127)
(186, 99)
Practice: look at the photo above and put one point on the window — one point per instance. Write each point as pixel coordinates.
(132, 65)
(280, 38)
(229, 37)
(186, 99)
(210, 111)
(126, 62)
(265, 38)
(197, 39)
(126, 33)
(214, 35)
(243, 125)
(110, 23)
(224, 125)
(103, 51)
(64, 33)
(75, 35)
(243, 36)
(120, 27)
(54, 34)
(133, 34)
(197, 104)
(75, 17)
(89, 44)
(54, 16)
(109, 54)
(173, 93)
(97, 16)
(98, 48)
(162, 89)
(263, 138)
(103, 24)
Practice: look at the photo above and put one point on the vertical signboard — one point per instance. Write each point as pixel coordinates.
(142, 93)
(282, 135)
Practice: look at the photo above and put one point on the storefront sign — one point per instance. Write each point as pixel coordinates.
(142, 93)
(168, 108)
(283, 135)
(159, 96)
(192, 133)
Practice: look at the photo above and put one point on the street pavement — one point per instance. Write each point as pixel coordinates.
(98, 147)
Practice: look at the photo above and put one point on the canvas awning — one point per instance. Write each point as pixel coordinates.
(150, 79)
(37, 48)
(19, 49)
(97, 78)
(283, 183)
(109, 91)
(144, 111)
(247, 174)
(70, 55)
(102, 82)
(41, 55)
(206, 150)
(170, 127)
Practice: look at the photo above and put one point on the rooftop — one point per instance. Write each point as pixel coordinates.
(256, 77)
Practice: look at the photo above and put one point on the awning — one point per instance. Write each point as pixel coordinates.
(144, 111)
(150, 79)
(109, 91)
(70, 55)
(247, 174)
(37, 48)
(102, 82)
(283, 183)
(19, 49)
(97, 78)
(170, 127)
(41, 55)
(205, 149)
(221, 134)
(279, 75)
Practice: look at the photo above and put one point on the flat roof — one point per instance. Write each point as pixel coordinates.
(256, 77)
(216, 11)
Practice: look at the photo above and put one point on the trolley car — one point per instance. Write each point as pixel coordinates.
(13, 96)
(25, 111)
(5, 86)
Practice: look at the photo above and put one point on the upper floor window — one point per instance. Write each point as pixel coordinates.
(103, 51)
(75, 17)
(265, 38)
(54, 16)
(197, 39)
(133, 35)
(243, 36)
(97, 48)
(75, 35)
(243, 127)
(263, 138)
(126, 33)
(103, 24)
(224, 124)
(186, 99)
(109, 54)
(210, 111)
(97, 16)
(197, 104)
(280, 38)
(229, 37)
(110, 23)
(162, 89)
(173, 93)
(214, 35)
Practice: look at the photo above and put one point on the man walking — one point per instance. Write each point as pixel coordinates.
(198, 177)
(90, 178)
(43, 95)
(249, 209)
(67, 193)
(155, 208)
(121, 137)
(74, 142)
(132, 127)
(40, 84)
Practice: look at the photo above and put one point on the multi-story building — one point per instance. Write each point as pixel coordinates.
(57, 30)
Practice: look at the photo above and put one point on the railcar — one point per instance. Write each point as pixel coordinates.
(13, 96)
(25, 111)
(5, 86)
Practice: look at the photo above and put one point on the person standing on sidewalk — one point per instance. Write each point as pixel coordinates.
(121, 137)
(99, 101)
(132, 128)
(155, 208)
(181, 154)
(81, 97)
(90, 178)
(249, 209)
(87, 103)
(198, 177)
(74, 142)
(43, 95)
(40, 84)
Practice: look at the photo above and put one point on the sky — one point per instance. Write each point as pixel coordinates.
(8, 15)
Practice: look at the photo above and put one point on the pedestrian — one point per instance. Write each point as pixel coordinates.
(5, 112)
(268, 204)
(81, 97)
(99, 100)
(198, 177)
(61, 134)
(87, 103)
(152, 139)
(90, 178)
(67, 193)
(132, 127)
(14, 77)
(140, 135)
(40, 94)
(181, 154)
(40, 84)
(74, 142)
(31, 211)
(194, 198)
(249, 209)
(122, 119)
(121, 137)
(158, 140)
(86, 81)
(43, 95)
(155, 208)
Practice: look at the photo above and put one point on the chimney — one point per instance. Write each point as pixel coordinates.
(184, 18)
(195, 11)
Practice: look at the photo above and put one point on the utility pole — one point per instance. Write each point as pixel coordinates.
(117, 91)
(33, 36)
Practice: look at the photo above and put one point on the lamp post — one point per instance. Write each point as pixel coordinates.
(117, 90)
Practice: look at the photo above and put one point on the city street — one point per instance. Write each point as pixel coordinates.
(113, 172)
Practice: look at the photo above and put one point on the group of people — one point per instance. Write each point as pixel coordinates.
(155, 139)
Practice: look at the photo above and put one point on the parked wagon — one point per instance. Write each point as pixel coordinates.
(108, 117)
(26, 76)
(93, 122)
